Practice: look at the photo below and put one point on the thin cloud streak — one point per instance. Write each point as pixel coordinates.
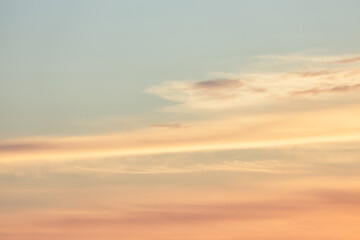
(272, 167)
(235, 132)
(325, 59)
(171, 125)
(336, 89)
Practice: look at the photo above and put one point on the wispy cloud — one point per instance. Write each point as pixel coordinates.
(228, 132)
(335, 89)
(328, 79)
(323, 59)
(171, 125)
(269, 166)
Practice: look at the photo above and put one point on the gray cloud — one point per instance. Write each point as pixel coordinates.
(171, 125)
(217, 89)
(218, 84)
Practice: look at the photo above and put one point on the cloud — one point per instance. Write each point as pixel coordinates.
(215, 93)
(324, 59)
(328, 79)
(216, 90)
(217, 84)
(315, 73)
(170, 125)
(165, 167)
(336, 89)
(225, 132)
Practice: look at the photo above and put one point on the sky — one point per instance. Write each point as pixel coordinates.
(179, 120)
